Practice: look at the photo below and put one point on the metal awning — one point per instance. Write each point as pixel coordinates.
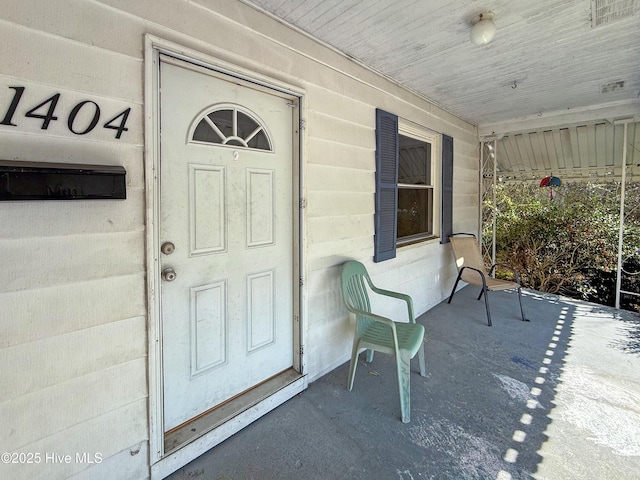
(580, 152)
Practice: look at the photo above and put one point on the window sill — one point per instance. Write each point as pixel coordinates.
(417, 239)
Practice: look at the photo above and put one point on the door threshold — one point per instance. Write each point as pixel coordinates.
(208, 421)
(179, 457)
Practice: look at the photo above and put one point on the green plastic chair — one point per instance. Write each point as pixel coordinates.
(381, 334)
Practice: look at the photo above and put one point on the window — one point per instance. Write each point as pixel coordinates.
(233, 127)
(413, 185)
(415, 190)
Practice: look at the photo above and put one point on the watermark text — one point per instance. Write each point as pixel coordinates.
(34, 458)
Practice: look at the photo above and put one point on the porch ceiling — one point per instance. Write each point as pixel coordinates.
(547, 82)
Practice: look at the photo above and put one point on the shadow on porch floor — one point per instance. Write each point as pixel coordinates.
(554, 398)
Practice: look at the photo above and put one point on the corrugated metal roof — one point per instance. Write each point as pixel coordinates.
(577, 152)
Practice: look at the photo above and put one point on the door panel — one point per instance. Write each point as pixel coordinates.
(226, 204)
(207, 226)
(209, 326)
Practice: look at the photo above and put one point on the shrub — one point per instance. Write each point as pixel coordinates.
(569, 244)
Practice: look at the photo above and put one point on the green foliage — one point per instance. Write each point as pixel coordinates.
(568, 244)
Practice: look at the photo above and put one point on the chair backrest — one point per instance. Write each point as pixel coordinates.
(354, 290)
(467, 252)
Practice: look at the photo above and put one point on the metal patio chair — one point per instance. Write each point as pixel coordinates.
(377, 333)
(471, 269)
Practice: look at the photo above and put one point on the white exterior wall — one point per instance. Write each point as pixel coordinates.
(73, 314)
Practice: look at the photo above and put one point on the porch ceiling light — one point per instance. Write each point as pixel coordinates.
(484, 29)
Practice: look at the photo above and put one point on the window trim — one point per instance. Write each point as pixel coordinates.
(410, 129)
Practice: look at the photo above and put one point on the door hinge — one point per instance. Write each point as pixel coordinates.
(301, 349)
(302, 124)
(301, 281)
(292, 105)
(302, 203)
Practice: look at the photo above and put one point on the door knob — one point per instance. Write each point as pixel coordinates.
(169, 274)
(167, 248)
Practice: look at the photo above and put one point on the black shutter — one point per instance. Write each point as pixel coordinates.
(447, 189)
(386, 186)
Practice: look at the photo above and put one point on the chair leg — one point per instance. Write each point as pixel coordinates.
(486, 303)
(481, 292)
(423, 370)
(453, 290)
(524, 319)
(369, 355)
(404, 383)
(353, 364)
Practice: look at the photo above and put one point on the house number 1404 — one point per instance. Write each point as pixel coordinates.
(45, 111)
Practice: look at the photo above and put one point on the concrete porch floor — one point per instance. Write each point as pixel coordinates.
(554, 398)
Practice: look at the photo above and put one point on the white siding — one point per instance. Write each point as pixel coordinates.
(73, 340)
(73, 337)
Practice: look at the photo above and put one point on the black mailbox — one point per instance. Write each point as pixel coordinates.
(56, 181)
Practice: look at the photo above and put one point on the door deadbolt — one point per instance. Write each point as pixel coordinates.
(169, 274)
(167, 248)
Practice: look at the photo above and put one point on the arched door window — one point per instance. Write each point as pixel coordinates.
(232, 126)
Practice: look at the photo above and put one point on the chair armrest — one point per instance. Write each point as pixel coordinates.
(480, 272)
(373, 316)
(378, 318)
(399, 296)
(506, 267)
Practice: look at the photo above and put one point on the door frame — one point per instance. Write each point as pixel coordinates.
(161, 463)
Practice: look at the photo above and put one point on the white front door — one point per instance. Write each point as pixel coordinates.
(226, 236)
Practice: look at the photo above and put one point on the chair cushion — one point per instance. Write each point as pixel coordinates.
(497, 284)
(472, 277)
